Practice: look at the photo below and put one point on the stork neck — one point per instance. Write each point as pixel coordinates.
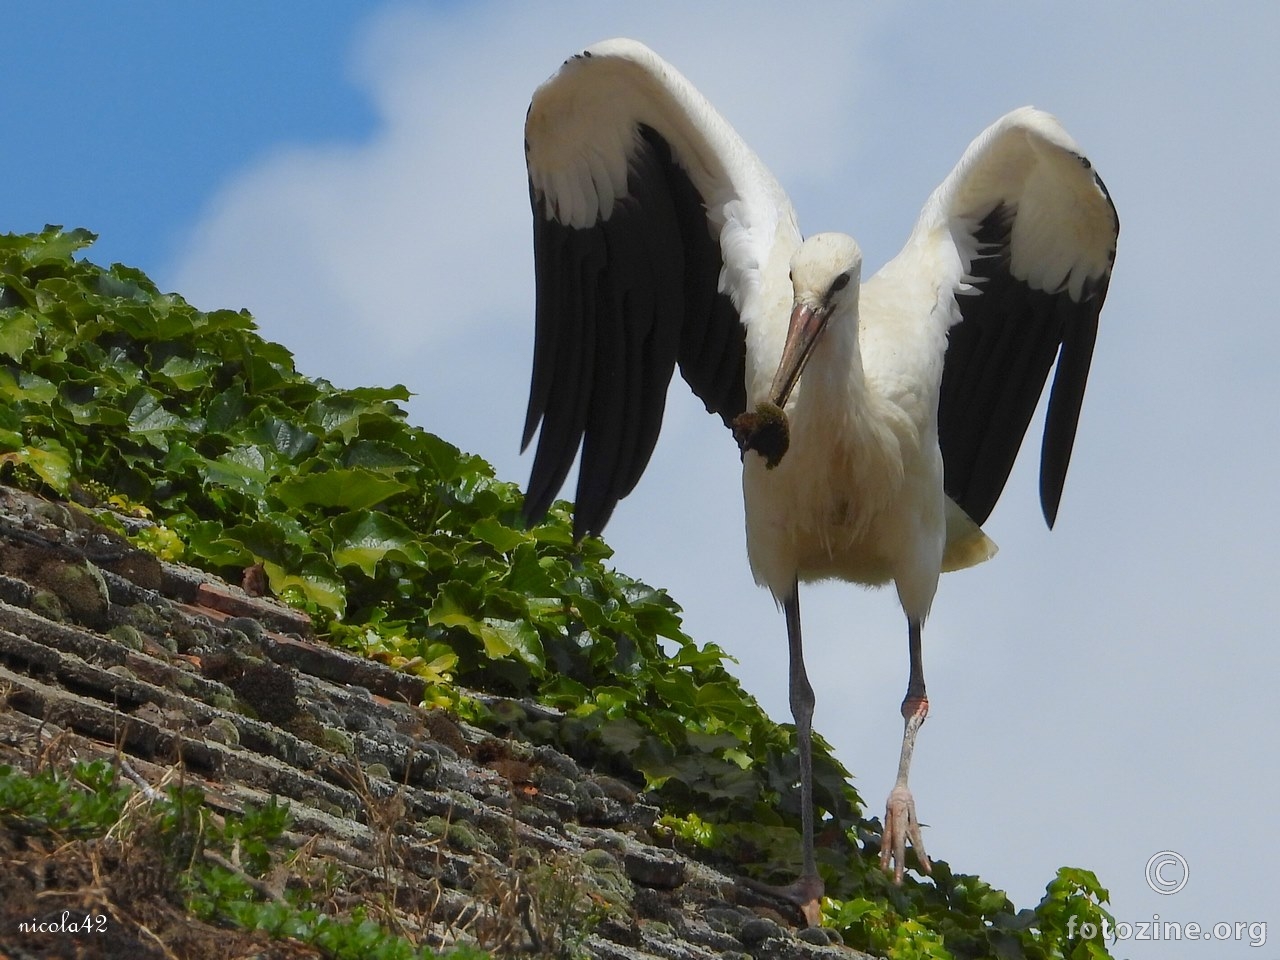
(834, 372)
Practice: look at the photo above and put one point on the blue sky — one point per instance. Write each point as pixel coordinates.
(352, 174)
(127, 117)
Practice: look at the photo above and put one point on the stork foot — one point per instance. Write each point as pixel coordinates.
(901, 825)
(805, 895)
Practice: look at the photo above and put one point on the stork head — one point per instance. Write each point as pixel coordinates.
(825, 275)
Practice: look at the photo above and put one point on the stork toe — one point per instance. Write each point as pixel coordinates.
(805, 894)
(901, 825)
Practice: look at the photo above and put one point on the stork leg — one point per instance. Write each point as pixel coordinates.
(807, 891)
(900, 821)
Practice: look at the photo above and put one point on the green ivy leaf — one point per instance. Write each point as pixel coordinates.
(148, 418)
(18, 332)
(312, 580)
(26, 388)
(355, 489)
(240, 468)
(498, 535)
(503, 638)
(188, 373)
(210, 542)
(366, 538)
(53, 465)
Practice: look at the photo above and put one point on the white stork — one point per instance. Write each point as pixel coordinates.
(661, 239)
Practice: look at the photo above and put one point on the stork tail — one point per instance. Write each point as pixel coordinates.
(967, 545)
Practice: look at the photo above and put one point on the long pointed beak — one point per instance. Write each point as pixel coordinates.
(806, 326)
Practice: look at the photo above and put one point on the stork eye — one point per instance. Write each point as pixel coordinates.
(840, 282)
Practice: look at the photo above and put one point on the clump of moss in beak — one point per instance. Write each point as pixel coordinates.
(766, 431)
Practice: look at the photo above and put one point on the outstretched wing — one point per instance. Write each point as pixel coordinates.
(652, 221)
(1026, 236)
